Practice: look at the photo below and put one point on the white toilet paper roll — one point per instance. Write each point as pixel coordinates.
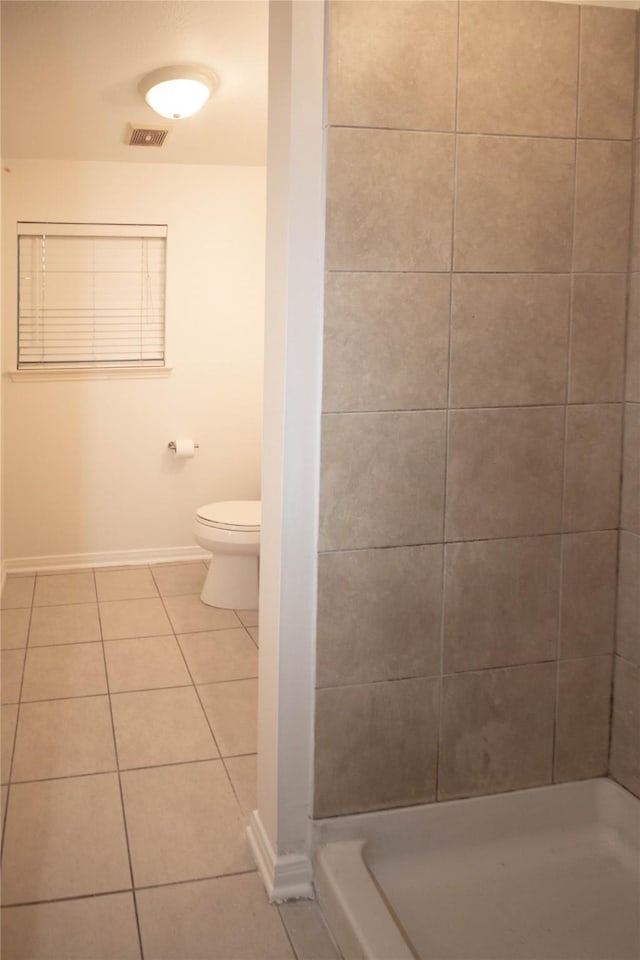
(185, 447)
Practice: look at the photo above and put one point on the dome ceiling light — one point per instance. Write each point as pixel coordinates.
(178, 92)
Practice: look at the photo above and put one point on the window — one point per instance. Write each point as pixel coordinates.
(91, 295)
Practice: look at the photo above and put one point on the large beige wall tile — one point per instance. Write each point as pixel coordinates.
(607, 68)
(501, 602)
(603, 206)
(592, 467)
(625, 742)
(582, 727)
(518, 68)
(514, 205)
(628, 621)
(597, 338)
(393, 64)
(504, 475)
(630, 508)
(632, 387)
(389, 200)
(381, 479)
(386, 341)
(509, 339)
(589, 564)
(378, 615)
(496, 730)
(375, 746)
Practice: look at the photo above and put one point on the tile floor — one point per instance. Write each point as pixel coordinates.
(128, 771)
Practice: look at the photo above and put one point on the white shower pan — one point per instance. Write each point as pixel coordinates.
(551, 873)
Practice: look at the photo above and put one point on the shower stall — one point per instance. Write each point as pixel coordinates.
(477, 702)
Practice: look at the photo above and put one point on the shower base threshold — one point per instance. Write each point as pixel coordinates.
(551, 873)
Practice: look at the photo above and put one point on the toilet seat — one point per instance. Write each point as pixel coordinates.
(240, 515)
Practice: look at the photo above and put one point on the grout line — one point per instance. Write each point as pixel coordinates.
(214, 876)
(132, 890)
(288, 936)
(116, 693)
(447, 426)
(518, 536)
(481, 408)
(122, 803)
(15, 732)
(478, 133)
(116, 769)
(467, 273)
(194, 685)
(202, 707)
(469, 670)
(80, 896)
(626, 408)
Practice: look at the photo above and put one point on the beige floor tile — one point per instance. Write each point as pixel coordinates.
(133, 618)
(248, 618)
(220, 655)
(4, 790)
(145, 663)
(175, 579)
(161, 726)
(94, 928)
(8, 723)
(64, 738)
(128, 584)
(189, 615)
(11, 662)
(66, 623)
(232, 709)
(75, 670)
(212, 920)
(308, 931)
(14, 627)
(254, 633)
(64, 838)
(17, 592)
(184, 822)
(65, 588)
(243, 772)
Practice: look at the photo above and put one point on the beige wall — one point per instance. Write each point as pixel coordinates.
(478, 207)
(625, 733)
(86, 465)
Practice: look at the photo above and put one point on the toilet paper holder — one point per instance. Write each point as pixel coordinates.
(172, 445)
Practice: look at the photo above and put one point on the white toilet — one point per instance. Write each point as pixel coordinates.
(230, 531)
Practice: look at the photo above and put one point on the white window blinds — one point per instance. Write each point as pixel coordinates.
(91, 295)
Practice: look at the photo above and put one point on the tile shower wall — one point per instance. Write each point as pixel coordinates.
(625, 733)
(478, 220)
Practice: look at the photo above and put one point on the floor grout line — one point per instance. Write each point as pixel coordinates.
(120, 789)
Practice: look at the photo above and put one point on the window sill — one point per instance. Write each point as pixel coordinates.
(90, 373)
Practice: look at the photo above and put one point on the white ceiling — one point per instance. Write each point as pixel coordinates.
(71, 68)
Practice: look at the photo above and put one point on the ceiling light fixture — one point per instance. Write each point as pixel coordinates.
(177, 92)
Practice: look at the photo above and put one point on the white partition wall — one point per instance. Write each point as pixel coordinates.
(279, 829)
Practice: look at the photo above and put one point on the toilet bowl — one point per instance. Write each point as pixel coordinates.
(230, 531)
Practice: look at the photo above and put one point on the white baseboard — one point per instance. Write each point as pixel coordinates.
(286, 877)
(117, 558)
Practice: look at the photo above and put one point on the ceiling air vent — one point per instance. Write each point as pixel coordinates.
(146, 136)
